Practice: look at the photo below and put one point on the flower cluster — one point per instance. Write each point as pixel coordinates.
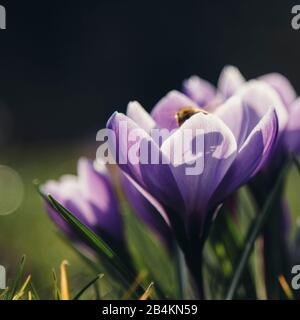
(244, 128)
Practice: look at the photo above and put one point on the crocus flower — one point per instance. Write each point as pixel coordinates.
(91, 198)
(238, 138)
(231, 81)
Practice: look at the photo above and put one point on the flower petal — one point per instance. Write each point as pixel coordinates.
(236, 115)
(68, 192)
(164, 113)
(140, 116)
(147, 212)
(54, 189)
(292, 132)
(282, 85)
(216, 151)
(151, 172)
(230, 81)
(259, 96)
(199, 90)
(95, 184)
(243, 111)
(90, 197)
(122, 127)
(252, 155)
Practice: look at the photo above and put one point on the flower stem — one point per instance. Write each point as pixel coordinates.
(194, 263)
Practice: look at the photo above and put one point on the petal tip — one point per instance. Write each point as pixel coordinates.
(132, 105)
(111, 120)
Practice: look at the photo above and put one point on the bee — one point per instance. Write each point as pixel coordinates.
(185, 113)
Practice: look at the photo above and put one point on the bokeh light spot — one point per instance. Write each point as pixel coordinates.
(11, 190)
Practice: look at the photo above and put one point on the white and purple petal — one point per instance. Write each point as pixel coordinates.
(292, 132)
(282, 85)
(230, 81)
(260, 96)
(199, 90)
(147, 212)
(149, 169)
(164, 112)
(214, 157)
(251, 157)
(140, 116)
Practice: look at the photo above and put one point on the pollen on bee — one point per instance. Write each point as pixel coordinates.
(185, 113)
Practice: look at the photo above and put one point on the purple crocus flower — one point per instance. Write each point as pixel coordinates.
(238, 139)
(231, 81)
(91, 198)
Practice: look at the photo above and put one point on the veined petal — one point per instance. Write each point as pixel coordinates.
(140, 116)
(199, 90)
(147, 211)
(66, 188)
(282, 85)
(292, 131)
(230, 81)
(209, 147)
(243, 111)
(151, 169)
(97, 190)
(252, 155)
(90, 197)
(236, 115)
(54, 189)
(164, 113)
(95, 184)
(68, 192)
(123, 126)
(260, 96)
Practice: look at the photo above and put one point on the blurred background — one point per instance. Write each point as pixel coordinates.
(65, 66)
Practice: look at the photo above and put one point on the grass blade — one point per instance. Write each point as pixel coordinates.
(18, 278)
(56, 292)
(4, 293)
(89, 284)
(296, 162)
(125, 271)
(64, 283)
(91, 237)
(146, 295)
(21, 292)
(254, 232)
(285, 287)
(35, 295)
(127, 295)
